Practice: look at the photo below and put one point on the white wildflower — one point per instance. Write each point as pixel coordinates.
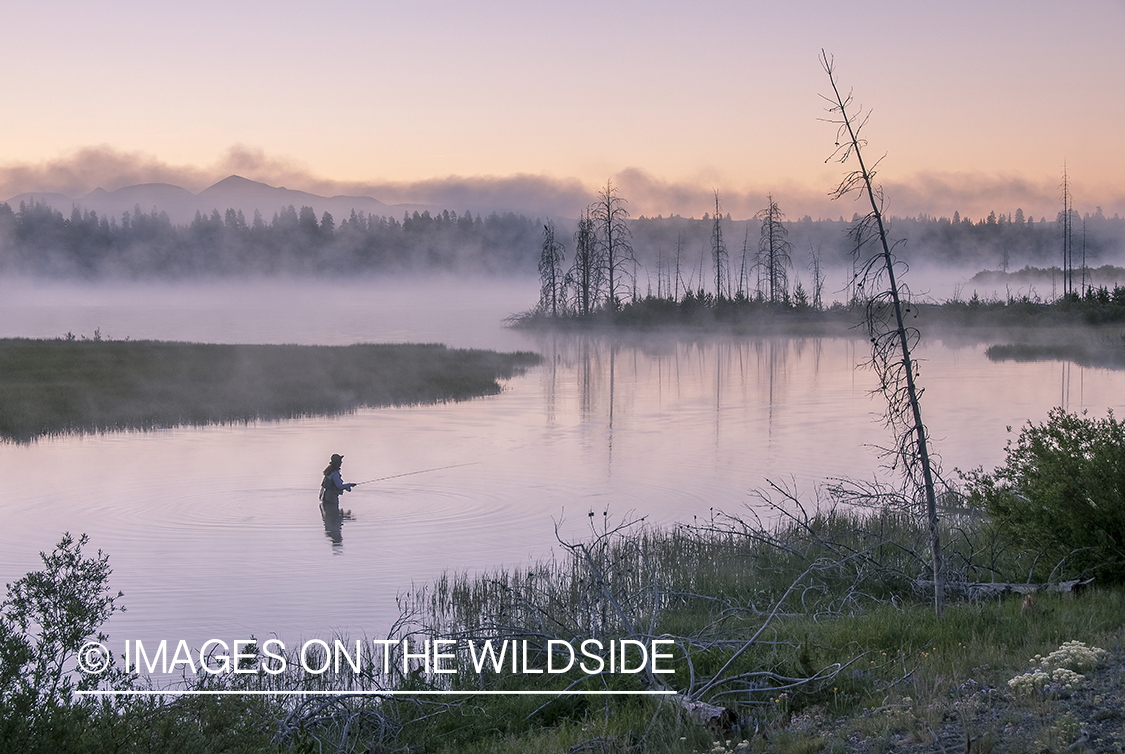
(1059, 669)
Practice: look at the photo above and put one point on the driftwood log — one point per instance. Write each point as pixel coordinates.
(721, 720)
(986, 589)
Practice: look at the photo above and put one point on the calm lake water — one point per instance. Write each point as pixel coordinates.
(215, 532)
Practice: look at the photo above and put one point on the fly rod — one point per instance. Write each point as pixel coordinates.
(412, 473)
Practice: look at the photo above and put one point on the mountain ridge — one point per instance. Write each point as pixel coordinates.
(233, 192)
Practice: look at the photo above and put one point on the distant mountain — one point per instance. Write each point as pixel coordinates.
(61, 202)
(236, 192)
(233, 192)
(145, 195)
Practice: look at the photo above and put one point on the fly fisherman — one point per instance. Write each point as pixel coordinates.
(333, 483)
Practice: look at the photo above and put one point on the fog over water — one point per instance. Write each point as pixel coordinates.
(325, 312)
(215, 532)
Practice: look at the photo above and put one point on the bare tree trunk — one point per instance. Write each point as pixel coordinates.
(818, 280)
(742, 290)
(610, 216)
(586, 270)
(718, 249)
(1068, 245)
(679, 277)
(550, 272)
(775, 251)
(849, 143)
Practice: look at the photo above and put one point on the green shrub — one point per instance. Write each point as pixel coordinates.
(1061, 494)
(45, 619)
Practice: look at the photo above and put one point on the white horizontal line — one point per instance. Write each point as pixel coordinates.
(175, 692)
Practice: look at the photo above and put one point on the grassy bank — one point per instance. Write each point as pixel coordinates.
(54, 386)
(814, 630)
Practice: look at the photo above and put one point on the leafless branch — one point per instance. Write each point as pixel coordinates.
(892, 341)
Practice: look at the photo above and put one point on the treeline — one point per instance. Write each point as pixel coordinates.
(37, 239)
(604, 273)
(999, 242)
(676, 269)
(787, 263)
(658, 252)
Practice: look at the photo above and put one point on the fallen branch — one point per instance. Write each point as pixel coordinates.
(983, 590)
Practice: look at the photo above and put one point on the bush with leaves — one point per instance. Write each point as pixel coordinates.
(1061, 494)
(45, 619)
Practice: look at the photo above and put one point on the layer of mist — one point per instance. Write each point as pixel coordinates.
(457, 310)
(70, 178)
(672, 254)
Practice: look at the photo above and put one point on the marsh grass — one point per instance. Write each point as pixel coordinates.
(852, 658)
(903, 674)
(56, 386)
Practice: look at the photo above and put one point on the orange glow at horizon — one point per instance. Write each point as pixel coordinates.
(722, 95)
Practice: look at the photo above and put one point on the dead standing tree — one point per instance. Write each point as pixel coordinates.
(610, 216)
(774, 252)
(585, 275)
(719, 251)
(742, 290)
(892, 342)
(551, 273)
(1066, 220)
(818, 279)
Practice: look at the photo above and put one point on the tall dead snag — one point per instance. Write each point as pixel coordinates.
(742, 291)
(551, 272)
(585, 275)
(818, 279)
(774, 253)
(1067, 222)
(610, 216)
(679, 283)
(719, 251)
(891, 340)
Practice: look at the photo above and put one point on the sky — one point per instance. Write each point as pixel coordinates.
(974, 106)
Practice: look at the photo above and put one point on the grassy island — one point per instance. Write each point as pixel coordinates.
(54, 386)
(1098, 306)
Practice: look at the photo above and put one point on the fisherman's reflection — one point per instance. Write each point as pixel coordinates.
(334, 518)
